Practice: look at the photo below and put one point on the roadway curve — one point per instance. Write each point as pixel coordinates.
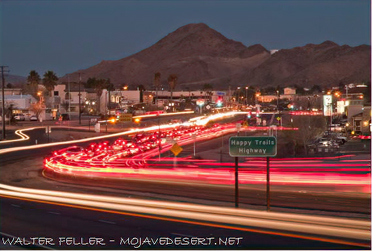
(30, 177)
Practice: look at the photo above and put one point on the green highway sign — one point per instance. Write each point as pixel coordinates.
(260, 146)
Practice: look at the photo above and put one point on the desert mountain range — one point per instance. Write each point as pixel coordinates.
(200, 55)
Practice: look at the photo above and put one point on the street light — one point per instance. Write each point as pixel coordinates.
(112, 120)
(39, 94)
(79, 99)
(257, 95)
(277, 100)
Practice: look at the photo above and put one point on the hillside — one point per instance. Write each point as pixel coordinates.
(199, 54)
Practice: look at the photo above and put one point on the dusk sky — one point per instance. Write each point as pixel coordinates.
(65, 36)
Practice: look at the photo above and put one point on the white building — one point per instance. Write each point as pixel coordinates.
(289, 91)
(68, 97)
(19, 102)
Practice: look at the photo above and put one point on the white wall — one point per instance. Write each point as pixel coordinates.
(21, 102)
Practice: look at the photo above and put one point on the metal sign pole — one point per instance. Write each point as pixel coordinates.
(268, 183)
(257, 146)
(194, 146)
(159, 136)
(236, 182)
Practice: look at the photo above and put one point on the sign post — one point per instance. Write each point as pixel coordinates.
(268, 183)
(259, 146)
(193, 136)
(236, 182)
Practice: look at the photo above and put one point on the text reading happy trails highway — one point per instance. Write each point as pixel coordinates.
(252, 146)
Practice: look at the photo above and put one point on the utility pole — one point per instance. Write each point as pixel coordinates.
(79, 99)
(3, 101)
(69, 101)
(69, 96)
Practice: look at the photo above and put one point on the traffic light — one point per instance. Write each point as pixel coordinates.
(219, 102)
(249, 115)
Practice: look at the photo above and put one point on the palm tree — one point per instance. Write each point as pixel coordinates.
(50, 81)
(33, 81)
(157, 84)
(172, 81)
(141, 88)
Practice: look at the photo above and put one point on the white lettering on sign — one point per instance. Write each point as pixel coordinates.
(241, 142)
(257, 142)
(252, 150)
(265, 142)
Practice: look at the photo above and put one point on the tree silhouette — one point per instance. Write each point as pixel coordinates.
(141, 88)
(98, 85)
(157, 82)
(172, 81)
(33, 81)
(109, 87)
(50, 81)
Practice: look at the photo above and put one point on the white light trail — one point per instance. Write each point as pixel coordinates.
(326, 226)
(316, 225)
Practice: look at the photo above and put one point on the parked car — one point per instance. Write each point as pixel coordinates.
(33, 118)
(64, 116)
(19, 117)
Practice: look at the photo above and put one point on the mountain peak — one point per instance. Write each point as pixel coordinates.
(193, 27)
(253, 50)
(200, 54)
(328, 43)
(198, 39)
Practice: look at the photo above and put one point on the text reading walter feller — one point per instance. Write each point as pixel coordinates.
(135, 242)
